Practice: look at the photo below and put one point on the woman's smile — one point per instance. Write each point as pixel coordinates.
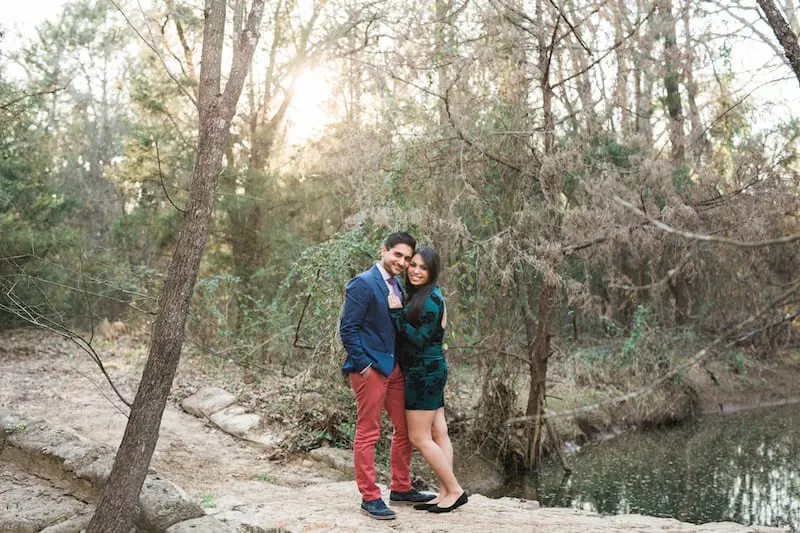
(418, 271)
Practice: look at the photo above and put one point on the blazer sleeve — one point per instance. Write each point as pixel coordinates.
(420, 335)
(356, 302)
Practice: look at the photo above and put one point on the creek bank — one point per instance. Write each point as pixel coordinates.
(712, 388)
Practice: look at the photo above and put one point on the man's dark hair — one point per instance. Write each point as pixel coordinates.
(400, 237)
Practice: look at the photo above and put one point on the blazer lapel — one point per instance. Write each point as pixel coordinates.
(380, 283)
(383, 295)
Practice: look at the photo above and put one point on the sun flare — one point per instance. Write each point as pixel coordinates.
(311, 109)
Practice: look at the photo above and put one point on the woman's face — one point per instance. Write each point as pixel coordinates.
(418, 274)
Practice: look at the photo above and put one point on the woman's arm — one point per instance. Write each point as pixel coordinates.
(429, 318)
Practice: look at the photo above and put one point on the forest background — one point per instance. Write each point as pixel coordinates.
(612, 186)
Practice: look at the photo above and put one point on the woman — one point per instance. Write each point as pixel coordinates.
(420, 327)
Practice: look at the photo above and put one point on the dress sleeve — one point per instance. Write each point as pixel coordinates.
(428, 321)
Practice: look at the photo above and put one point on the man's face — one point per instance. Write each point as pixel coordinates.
(396, 259)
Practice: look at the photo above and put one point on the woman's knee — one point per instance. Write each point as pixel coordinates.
(439, 430)
(419, 438)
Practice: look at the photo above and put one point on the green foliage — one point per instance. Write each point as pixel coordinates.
(638, 330)
(209, 322)
(608, 150)
(33, 213)
(610, 327)
(602, 151)
(319, 277)
(146, 234)
(266, 478)
(208, 500)
(737, 362)
(682, 180)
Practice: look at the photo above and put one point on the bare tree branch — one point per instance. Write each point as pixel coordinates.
(705, 237)
(33, 317)
(671, 273)
(571, 27)
(470, 142)
(52, 90)
(608, 52)
(161, 177)
(181, 88)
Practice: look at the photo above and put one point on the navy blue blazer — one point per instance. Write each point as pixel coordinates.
(365, 327)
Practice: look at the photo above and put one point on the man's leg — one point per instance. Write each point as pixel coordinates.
(370, 392)
(401, 447)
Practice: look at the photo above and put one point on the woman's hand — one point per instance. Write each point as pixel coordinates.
(394, 302)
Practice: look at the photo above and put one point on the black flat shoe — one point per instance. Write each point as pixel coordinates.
(424, 506)
(458, 503)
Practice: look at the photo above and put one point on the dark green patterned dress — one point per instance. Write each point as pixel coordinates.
(420, 348)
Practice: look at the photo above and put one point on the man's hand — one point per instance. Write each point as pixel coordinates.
(394, 302)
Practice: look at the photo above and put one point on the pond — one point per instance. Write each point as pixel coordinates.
(742, 468)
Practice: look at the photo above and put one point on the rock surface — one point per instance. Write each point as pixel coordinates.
(220, 407)
(27, 504)
(207, 401)
(50, 476)
(336, 458)
(235, 420)
(205, 524)
(333, 507)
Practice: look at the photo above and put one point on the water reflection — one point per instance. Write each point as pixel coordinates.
(743, 468)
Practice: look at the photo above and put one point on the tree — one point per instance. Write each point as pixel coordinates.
(84, 52)
(116, 509)
(786, 36)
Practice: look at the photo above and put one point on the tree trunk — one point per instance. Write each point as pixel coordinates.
(672, 87)
(697, 139)
(117, 507)
(441, 56)
(679, 284)
(620, 100)
(549, 182)
(784, 33)
(538, 369)
(643, 84)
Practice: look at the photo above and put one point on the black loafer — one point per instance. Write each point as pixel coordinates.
(458, 503)
(411, 496)
(423, 506)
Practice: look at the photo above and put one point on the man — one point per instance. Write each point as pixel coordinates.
(369, 340)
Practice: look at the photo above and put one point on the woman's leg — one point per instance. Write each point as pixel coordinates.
(442, 439)
(420, 424)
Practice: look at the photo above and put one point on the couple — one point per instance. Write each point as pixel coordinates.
(377, 330)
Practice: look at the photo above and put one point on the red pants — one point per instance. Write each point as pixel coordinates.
(374, 394)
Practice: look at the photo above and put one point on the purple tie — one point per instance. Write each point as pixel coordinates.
(395, 289)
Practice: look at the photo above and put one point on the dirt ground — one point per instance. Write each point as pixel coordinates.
(46, 376)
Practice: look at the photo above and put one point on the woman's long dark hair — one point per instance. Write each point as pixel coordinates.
(418, 295)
